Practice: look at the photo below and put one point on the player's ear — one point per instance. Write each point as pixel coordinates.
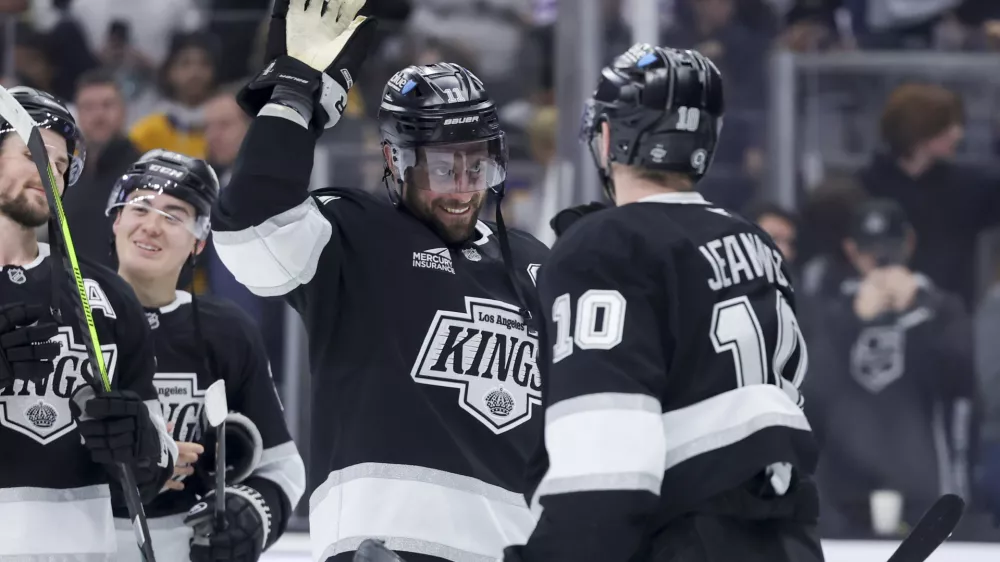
(199, 247)
(387, 155)
(605, 144)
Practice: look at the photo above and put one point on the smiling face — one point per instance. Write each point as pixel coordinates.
(445, 186)
(152, 238)
(22, 196)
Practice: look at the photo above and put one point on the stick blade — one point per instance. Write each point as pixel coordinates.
(933, 529)
(216, 406)
(18, 117)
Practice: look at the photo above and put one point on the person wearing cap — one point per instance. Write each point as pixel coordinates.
(891, 385)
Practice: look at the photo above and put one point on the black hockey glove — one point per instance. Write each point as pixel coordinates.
(116, 427)
(247, 525)
(316, 49)
(25, 350)
(244, 448)
(565, 218)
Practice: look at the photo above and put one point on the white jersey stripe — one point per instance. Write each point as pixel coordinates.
(279, 255)
(416, 509)
(57, 524)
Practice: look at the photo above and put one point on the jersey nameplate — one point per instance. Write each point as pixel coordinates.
(486, 353)
(41, 411)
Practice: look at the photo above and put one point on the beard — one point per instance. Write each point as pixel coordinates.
(23, 212)
(452, 232)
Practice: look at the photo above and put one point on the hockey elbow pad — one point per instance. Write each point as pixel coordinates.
(244, 448)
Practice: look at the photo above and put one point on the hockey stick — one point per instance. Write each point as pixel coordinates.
(216, 410)
(28, 131)
(933, 529)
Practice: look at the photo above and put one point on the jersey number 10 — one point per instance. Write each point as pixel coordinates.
(735, 329)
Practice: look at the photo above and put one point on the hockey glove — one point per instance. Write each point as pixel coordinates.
(247, 525)
(25, 350)
(316, 49)
(116, 427)
(565, 218)
(244, 448)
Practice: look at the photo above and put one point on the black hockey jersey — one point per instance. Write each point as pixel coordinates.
(55, 498)
(230, 348)
(676, 361)
(425, 387)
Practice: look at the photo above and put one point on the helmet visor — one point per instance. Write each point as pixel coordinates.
(75, 147)
(455, 168)
(141, 195)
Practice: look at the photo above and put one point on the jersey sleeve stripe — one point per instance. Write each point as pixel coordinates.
(279, 255)
(726, 419)
(606, 441)
(39, 523)
(456, 517)
(283, 465)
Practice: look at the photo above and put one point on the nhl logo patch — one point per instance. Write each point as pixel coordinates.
(17, 275)
(472, 254)
(153, 319)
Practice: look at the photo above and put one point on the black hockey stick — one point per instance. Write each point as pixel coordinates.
(933, 529)
(216, 410)
(27, 129)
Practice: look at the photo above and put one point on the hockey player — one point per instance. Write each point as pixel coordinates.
(162, 206)
(59, 438)
(425, 383)
(672, 413)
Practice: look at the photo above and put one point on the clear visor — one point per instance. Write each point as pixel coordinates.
(148, 197)
(455, 168)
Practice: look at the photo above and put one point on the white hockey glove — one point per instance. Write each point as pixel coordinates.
(316, 49)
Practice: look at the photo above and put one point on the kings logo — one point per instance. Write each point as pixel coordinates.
(182, 402)
(488, 355)
(40, 410)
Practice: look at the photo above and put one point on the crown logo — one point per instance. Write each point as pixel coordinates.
(499, 401)
(42, 415)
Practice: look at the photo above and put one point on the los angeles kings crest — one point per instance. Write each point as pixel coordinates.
(40, 410)
(488, 354)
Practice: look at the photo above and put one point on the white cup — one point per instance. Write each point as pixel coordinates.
(886, 511)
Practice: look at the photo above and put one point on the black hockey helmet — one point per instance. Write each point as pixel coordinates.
(664, 108)
(189, 179)
(425, 108)
(49, 112)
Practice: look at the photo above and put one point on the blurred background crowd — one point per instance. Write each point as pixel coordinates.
(863, 135)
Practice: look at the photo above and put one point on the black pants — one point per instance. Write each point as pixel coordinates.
(714, 538)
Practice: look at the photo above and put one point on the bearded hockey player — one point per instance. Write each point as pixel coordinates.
(673, 421)
(59, 438)
(425, 383)
(162, 206)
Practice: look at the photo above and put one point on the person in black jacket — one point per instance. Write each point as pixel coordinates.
(890, 390)
(100, 107)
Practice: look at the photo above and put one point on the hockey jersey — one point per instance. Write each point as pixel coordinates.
(676, 359)
(55, 498)
(227, 346)
(425, 386)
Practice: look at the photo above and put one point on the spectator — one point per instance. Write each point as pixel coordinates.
(187, 80)
(988, 373)
(33, 62)
(781, 225)
(890, 387)
(950, 204)
(825, 223)
(70, 50)
(100, 110)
